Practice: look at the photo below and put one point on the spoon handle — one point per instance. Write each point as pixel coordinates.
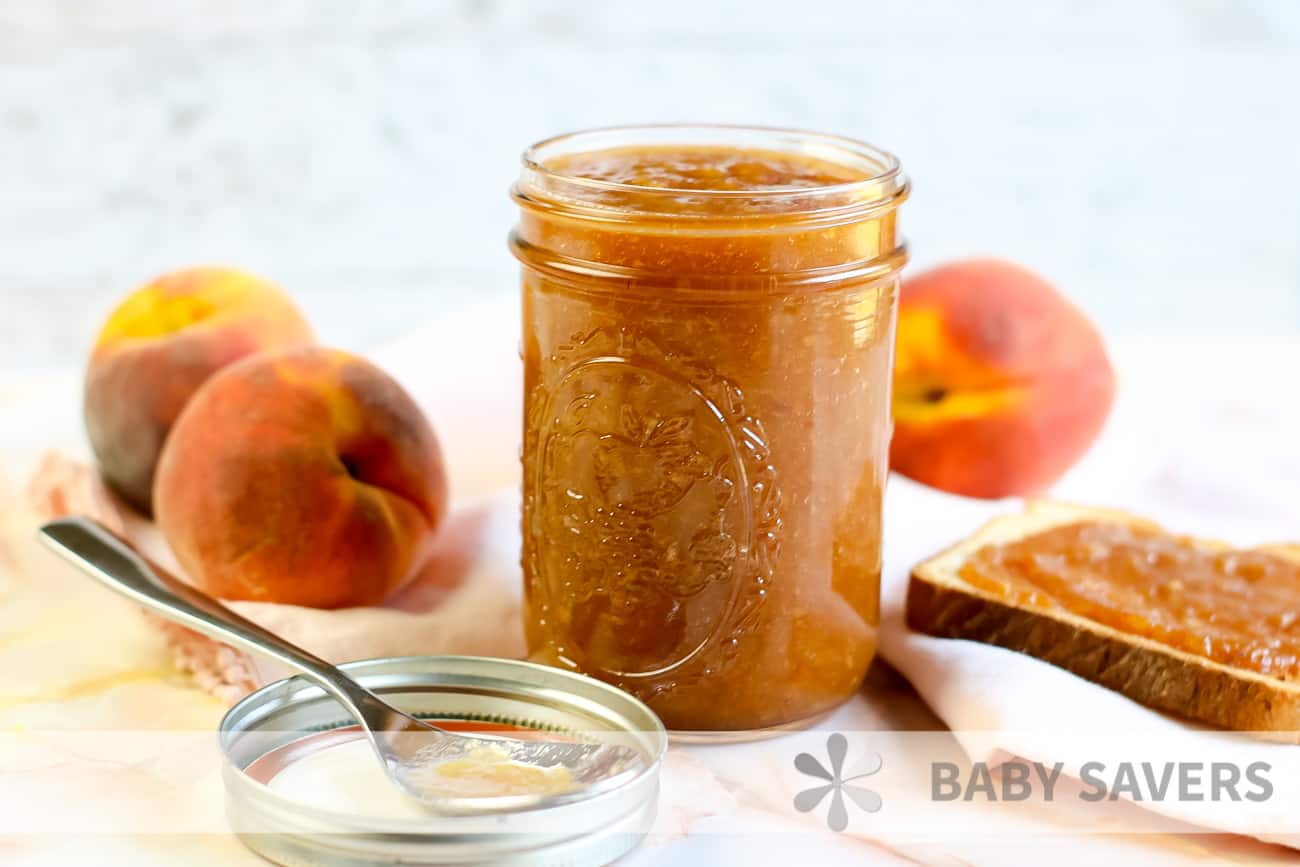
(115, 563)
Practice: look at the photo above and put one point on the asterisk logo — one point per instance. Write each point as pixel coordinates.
(837, 784)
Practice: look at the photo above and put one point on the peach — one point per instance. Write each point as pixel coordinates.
(158, 347)
(306, 477)
(1000, 383)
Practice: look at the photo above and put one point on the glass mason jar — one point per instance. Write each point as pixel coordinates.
(708, 330)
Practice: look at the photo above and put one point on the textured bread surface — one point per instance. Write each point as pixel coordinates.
(941, 603)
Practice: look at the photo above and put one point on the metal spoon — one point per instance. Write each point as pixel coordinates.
(409, 749)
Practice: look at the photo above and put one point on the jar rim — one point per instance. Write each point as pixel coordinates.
(882, 180)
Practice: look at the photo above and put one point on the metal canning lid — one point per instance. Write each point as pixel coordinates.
(286, 722)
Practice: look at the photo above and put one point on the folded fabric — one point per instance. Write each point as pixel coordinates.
(465, 599)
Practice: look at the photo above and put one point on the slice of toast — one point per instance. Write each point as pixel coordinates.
(941, 603)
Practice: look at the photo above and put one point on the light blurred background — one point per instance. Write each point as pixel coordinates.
(1143, 153)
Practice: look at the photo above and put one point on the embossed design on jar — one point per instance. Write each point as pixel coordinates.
(651, 511)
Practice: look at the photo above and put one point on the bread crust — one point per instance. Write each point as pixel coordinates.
(940, 603)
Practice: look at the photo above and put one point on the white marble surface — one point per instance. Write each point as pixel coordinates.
(1203, 438)
(1141, 152)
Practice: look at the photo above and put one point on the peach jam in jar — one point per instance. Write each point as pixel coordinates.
(708, 328)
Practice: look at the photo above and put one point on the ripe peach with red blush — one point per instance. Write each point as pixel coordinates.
(1000, 383)
(155, 350)
(306, 477)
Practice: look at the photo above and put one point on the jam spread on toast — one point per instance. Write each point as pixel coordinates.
(1240, 608)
